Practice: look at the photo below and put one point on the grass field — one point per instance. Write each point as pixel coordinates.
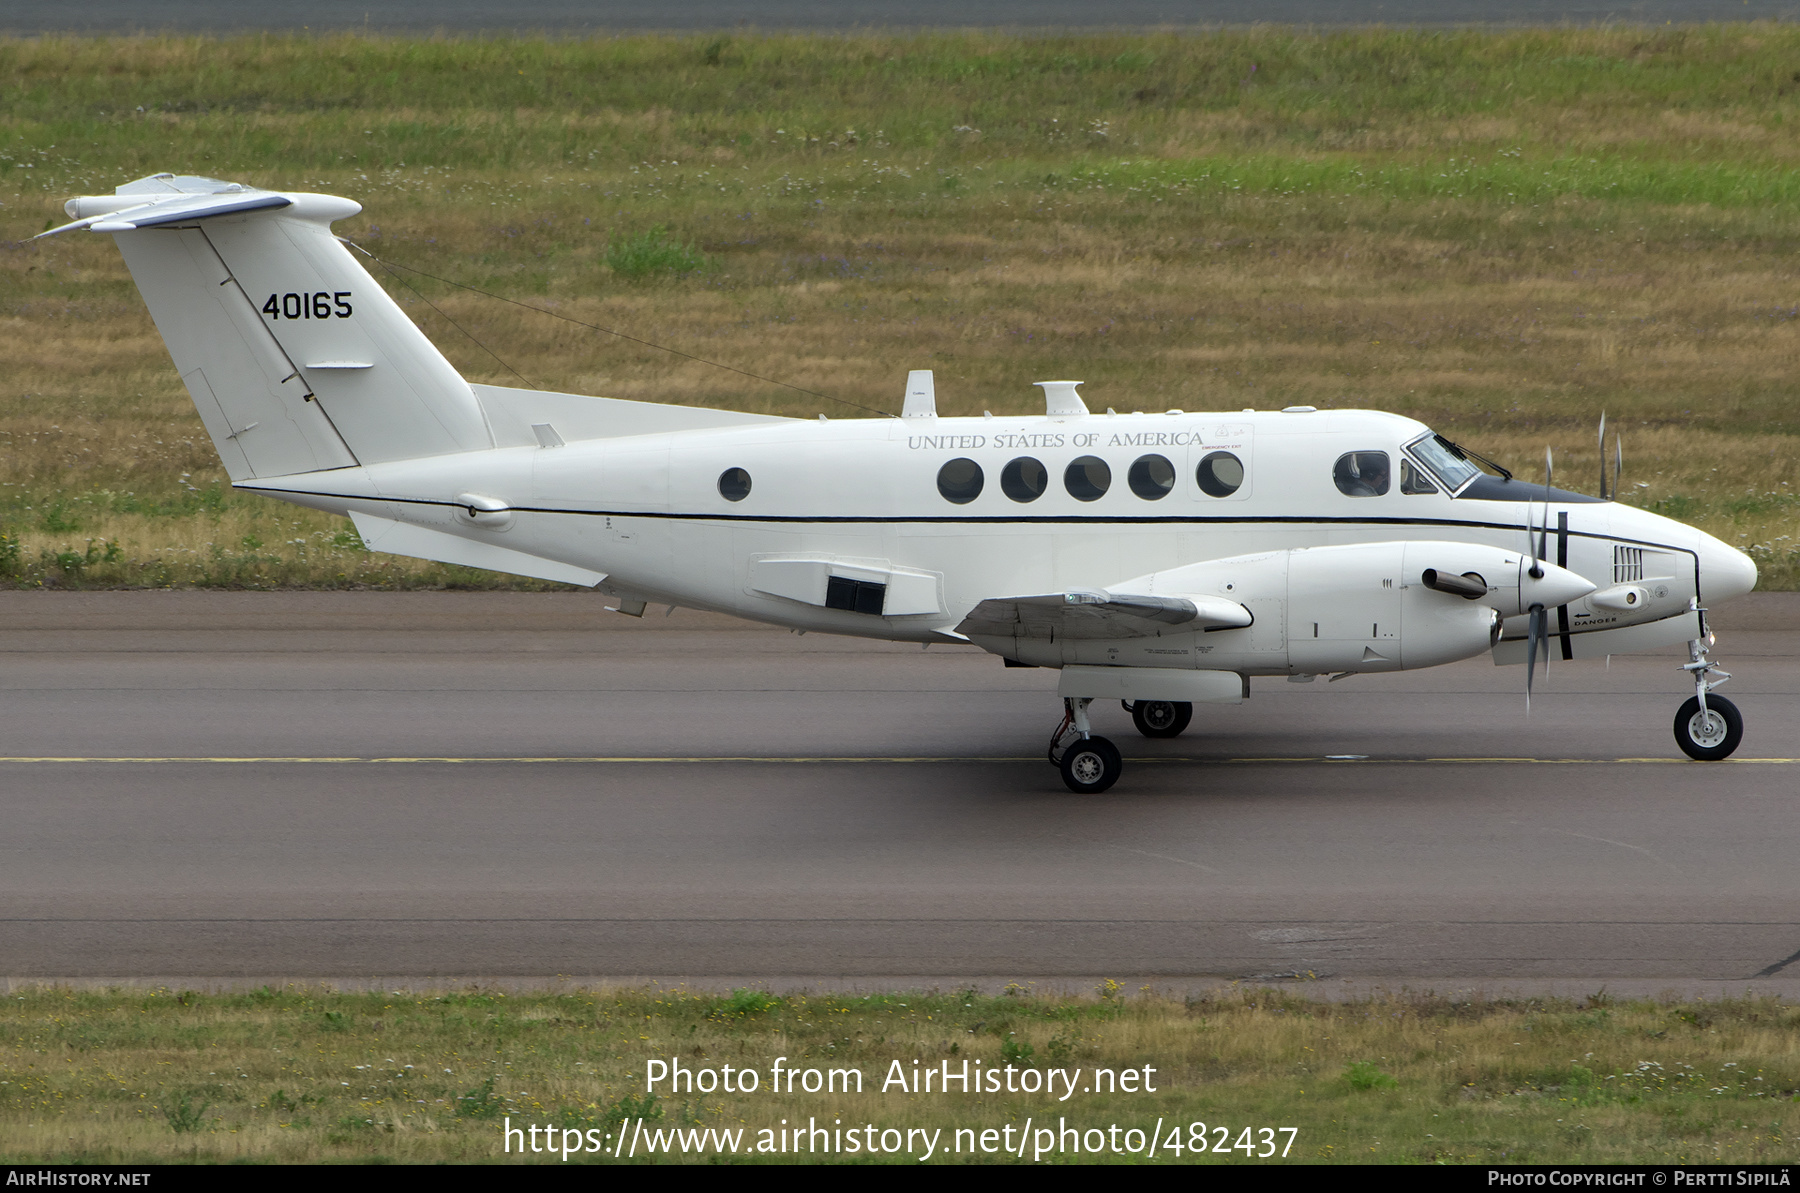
(141, 1076)
(1503, 233)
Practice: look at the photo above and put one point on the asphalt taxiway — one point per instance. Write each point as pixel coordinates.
(438, 785)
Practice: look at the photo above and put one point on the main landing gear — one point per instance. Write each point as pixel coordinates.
(1707, 727)
(1089, 764)
(1159, 718)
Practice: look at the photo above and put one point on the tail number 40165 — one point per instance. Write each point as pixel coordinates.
(320, 305)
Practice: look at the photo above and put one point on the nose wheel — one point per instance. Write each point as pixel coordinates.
(1707, 727)
(1089, 764)
(1708, 733)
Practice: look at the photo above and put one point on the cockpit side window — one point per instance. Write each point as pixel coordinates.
(1361, 474)
(1414, 479)
(1445, 460)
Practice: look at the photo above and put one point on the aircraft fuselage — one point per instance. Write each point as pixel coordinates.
(860, 500)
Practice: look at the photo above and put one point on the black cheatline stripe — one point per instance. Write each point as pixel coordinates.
(989, 520)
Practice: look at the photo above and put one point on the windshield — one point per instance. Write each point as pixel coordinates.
(1443, 458)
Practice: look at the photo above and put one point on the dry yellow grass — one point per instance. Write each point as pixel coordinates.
(1357, 234)
(134, 1076)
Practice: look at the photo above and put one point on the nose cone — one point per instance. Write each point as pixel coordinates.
(1557, 586)
(1725, 571)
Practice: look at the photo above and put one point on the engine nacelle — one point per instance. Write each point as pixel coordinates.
(1360, 607)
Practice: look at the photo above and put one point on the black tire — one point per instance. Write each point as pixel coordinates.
(1090, 767)
(1161, 718)
(1708, 743)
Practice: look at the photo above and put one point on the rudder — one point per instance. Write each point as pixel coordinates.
(295, 358)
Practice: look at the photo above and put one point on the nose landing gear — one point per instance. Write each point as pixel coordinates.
(1707, 727)
(1089, 764)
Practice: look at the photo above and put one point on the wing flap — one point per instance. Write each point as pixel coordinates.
(1100, 614)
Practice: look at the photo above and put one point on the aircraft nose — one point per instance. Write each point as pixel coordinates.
(1725, 571)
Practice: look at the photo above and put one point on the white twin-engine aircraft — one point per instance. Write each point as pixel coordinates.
(1157, 559)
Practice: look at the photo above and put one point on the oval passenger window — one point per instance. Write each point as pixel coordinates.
(1024, 479)
(734, 484)
(1361, 474)
(1087, 479)
(1151, 477)
(960, 480)
(1220, 474)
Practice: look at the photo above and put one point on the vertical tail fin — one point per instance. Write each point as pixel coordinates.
(296, 359)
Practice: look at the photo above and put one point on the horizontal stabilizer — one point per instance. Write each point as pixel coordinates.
(175, 210)
(419, 542)
(1100, 614)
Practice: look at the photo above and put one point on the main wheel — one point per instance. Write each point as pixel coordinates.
(1090, 767)
(1161, 718)
(1711, 735)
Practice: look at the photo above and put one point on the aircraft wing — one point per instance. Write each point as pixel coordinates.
(1099, 614)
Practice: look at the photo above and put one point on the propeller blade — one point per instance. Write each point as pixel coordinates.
(1536, 537)
(1603, 455)
(1537, 624)
(1618, 462)
(1543, 543)
(1536, 570)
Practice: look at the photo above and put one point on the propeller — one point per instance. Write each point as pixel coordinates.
(1536, 539)
(1618, 463)
(1543, 547)
(1603, 455)
(1537, 624)
(1539, 619)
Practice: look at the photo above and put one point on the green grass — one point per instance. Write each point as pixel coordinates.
(1501, 233)
(652, 253)
(1311, 90)
(296, 1074)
